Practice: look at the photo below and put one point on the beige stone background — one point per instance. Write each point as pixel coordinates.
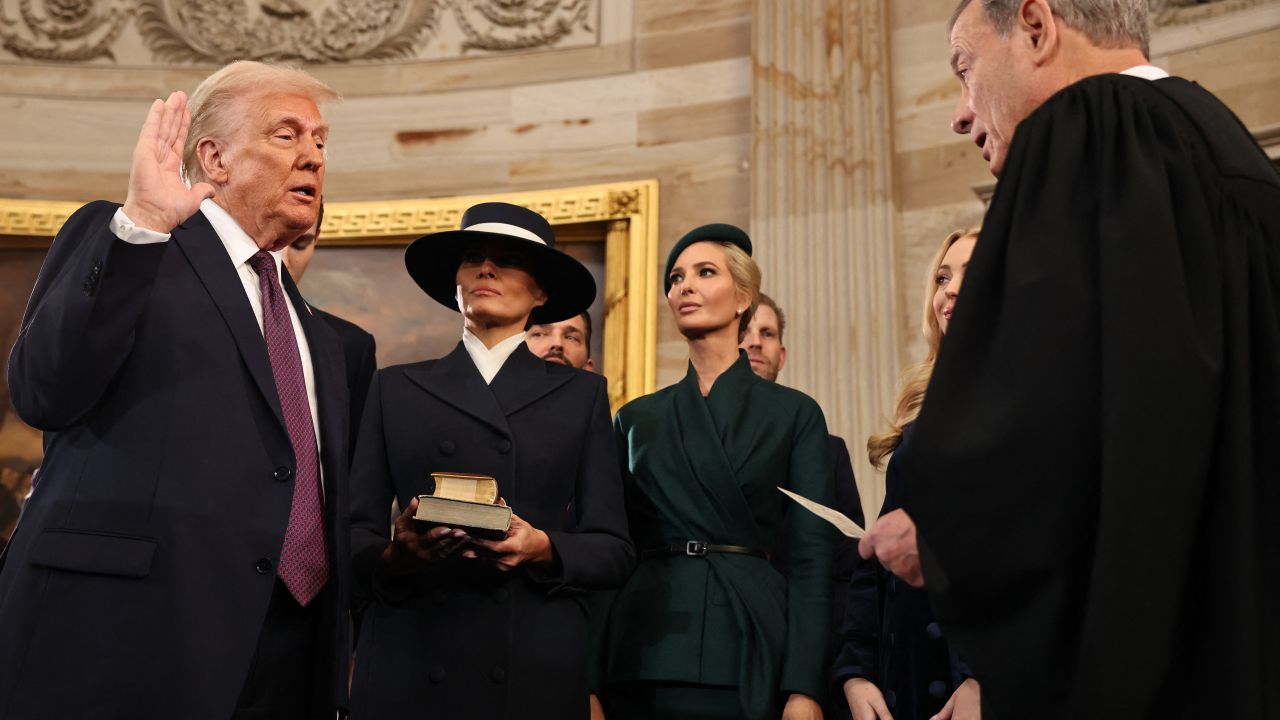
(687, 91)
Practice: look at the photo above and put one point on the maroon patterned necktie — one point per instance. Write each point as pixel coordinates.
(304, 559)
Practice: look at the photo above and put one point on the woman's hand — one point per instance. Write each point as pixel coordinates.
(524, 543)
(965, 703)
(415, 546)
(597, 710)
(801, 707)
(865, 700)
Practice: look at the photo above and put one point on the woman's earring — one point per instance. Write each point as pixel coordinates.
(737, 313)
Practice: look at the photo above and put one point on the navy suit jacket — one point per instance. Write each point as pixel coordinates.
(137, 582)
(361, 354)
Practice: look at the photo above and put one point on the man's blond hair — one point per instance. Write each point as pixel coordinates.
(213, 104)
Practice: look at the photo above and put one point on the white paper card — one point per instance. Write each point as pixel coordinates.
(835, 517)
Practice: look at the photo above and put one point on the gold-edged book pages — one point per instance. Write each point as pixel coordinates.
(465, 487)
(484, 520)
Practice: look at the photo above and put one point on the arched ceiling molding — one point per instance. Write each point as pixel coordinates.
(143, 48)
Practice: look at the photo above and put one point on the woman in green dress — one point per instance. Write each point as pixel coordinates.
(706, 627)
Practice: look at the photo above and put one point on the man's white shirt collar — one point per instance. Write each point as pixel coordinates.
(239, 245)
(1146, 72)
(490, 360)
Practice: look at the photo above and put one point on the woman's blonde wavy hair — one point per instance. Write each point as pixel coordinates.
(914, 379)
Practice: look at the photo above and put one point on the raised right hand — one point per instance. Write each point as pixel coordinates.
(414, 545)
(158, 199)
(865, 700)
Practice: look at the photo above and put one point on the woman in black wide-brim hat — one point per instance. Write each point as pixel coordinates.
(459, 627)
(706, 628)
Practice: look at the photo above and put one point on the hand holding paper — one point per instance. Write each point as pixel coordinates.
(892, 541)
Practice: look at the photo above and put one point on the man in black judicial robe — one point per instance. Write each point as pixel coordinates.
(1097, 474)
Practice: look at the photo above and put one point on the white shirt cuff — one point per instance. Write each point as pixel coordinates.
(123, 228)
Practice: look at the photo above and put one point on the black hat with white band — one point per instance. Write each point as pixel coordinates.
(433, 260)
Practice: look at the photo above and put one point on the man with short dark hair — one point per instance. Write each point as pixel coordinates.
(358, 346)
(767, 355)
(567, 342)
(763, 340)
(1094, 472)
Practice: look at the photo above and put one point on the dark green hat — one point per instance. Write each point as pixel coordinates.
(715, 232)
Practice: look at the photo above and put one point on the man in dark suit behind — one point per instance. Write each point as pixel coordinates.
(184, 554)
(358, 346)
(768, 355)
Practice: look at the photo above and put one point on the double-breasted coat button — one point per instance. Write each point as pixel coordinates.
(504, 446)
(263, 566)
(500, 595)
(438, 597)
(933, 631)
(91, 280)
(282, 474)
(436, 674)
(891, 699)
(937, 689)
(446, 447)
(498, 675)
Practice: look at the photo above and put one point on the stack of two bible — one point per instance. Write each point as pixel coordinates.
(467, 502)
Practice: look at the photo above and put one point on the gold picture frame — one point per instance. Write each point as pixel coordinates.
(628, 212)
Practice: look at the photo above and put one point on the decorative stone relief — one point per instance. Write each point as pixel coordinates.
(314, 31)
(518, 24)
(61, 30)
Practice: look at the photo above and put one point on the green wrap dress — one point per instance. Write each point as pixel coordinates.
(727, 629)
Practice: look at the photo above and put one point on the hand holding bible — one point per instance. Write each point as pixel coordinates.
(415, 546)
(524, 544)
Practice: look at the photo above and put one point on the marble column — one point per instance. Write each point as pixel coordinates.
(822, 211)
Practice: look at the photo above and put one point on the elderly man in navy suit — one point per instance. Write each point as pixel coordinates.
(184, 555)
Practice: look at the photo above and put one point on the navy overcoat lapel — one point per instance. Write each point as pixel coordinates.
(523, 380)
(455, 380)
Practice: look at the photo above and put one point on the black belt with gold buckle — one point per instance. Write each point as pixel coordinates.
(697, 548)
